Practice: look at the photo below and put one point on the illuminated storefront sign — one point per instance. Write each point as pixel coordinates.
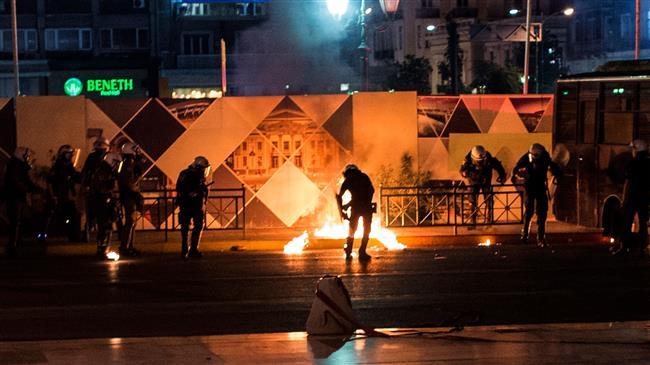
(103, 87)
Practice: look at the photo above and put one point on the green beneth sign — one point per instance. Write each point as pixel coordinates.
(104, 87)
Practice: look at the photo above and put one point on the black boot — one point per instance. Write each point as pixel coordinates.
(525, 230)
(194, 250)
(347, 248)
(541, 234)
(184, 243)
(363, 255)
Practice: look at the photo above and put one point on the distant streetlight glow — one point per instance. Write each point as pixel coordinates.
(568, 11)
(337, 7)
(368, 11)
(514, 11)
(431, 28)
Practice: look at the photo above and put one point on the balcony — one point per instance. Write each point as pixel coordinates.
(427, 13)
(221, 11)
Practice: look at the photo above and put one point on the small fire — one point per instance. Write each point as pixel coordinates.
(334, 230)
(297, 245)
(486, 243)
(112, 255)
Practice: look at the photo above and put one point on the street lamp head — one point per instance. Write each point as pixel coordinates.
(431, 28)
(514, 12)
(337, 7)
(568, 11)
(389, 6)
(368, 11)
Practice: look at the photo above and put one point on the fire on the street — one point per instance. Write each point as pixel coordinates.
(112, 255)
(297, 245)
(334, 230)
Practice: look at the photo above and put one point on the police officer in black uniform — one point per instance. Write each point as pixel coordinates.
(533, 167)
(62, 181)
(477, 169)
(17, 184)
(131, 201)
(103, 200)
(192, 194)
(100, 148)
(360, 205)
(636, 195)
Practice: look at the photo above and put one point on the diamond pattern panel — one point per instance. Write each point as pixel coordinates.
(259, 215)
(215, 135)
(434, 157)
(461, 122)
(530, 110)
(187, 111)
(252, 109)
(484, 109)
(96, 118)
(320, 107)
(257, 159)
(546, 123)
(289, 194)
(434, 113)
(121, 110)
(508, 121)
(339, 125)
(154, 129)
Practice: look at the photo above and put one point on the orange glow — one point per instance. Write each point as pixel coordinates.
(297, 245)
(112, 255)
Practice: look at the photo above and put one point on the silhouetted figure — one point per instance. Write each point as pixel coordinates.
(533, 167)
(636, 195)
(103, 200)
(192, 195)
(17, 184)
(477, 170)
(361, 206)
(100, 148)
(61, 206)
(132, 202)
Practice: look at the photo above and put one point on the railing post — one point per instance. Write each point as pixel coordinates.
(243, 205)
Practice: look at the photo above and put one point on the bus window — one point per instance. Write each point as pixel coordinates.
(567, 113)
(644, 126)
(588, 121)
(618, 128)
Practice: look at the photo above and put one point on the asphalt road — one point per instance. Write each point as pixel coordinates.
(243, 292)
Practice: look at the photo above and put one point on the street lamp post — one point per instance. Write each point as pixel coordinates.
(14, 38)
(363, 47)
(527, 46)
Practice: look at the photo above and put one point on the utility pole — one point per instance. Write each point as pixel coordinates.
(527, 47)
(363, 47)
(14, 38)
(637, 35)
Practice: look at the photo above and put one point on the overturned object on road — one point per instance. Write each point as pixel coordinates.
(331, 312)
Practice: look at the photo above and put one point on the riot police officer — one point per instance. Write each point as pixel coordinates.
(533, 167)
(100, 148)
(636, 193)
(131, 201)
(103, 201)
(477, 169)
(62, 180)
(17, 184)
(360, 205)
(192, 194)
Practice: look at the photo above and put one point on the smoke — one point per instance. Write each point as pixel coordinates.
(298, 50)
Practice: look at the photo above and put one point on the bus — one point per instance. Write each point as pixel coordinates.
(597, 115)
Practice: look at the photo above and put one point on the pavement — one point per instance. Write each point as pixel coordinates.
(157, 242)
(594, 343)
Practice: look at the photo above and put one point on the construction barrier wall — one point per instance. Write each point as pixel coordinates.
(287, 151)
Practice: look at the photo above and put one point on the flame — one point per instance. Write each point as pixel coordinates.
(487, 243)
(334, 230)
(297, 245)
(112, 255)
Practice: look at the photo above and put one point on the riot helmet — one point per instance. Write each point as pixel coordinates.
(130, 148)
(102, 144)
(638, 145)
(478, 154)
(349, 169)
(535, 152)
(201, 163)
(24, 154)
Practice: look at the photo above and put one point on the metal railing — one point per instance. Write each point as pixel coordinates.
(451, 205)
(225, 210)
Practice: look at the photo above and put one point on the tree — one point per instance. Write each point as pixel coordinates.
(451, 70)
(414, 74)
(545, 56)
(495, 79)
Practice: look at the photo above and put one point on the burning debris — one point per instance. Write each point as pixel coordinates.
(113, 256)
(333, 230)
